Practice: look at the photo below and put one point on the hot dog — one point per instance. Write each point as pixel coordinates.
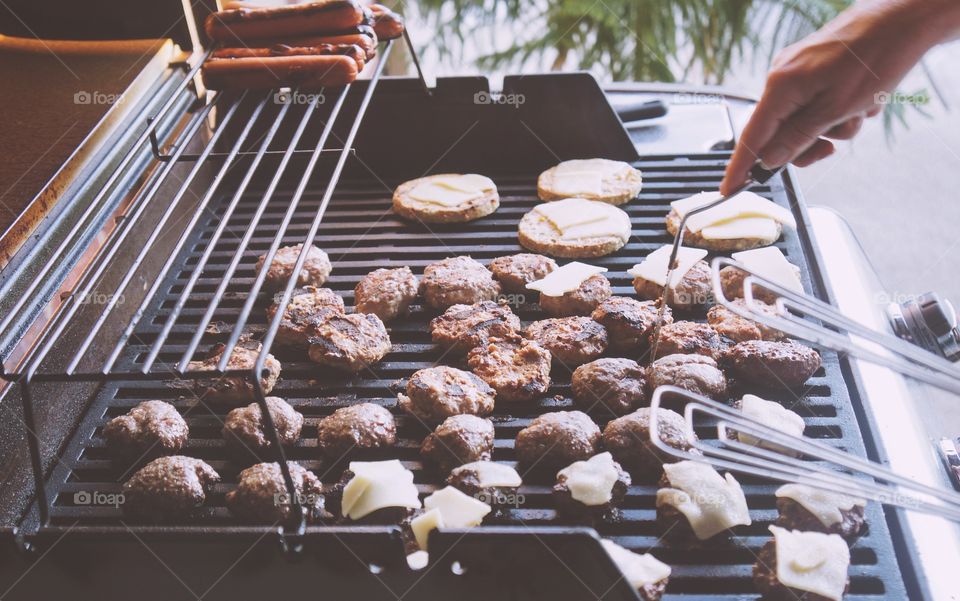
(363, 36)
(304, 68)
(386, 23)
(245, 26)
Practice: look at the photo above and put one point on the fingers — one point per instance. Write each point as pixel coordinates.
(775, 106)
(845, 130)
(798, 134)
(820, 150)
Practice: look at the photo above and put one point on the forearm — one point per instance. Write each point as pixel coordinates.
(925, 22)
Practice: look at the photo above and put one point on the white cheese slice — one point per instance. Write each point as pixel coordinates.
(639, 570)
(605, 167)
(711, 502)
(491, 474)
(812, 562)
(615, 225)
(769, 263)
(747, 227)
(565, 279)
(418, 560)
(451, 190)
(826, 506)
(457, 509)
(745, 204)
(655, 265)
(591, 481)
(577, 183)
(569, 212)
(773, 415)
(377, 485)
(423, 524)
(685, 205)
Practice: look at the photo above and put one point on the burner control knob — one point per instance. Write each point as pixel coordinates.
(929, 322)
(938, 314)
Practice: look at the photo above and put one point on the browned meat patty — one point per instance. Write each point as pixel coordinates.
(767, 583)
(772, 364)
(246, 434)
(689, 337)
(234, 389)
(572, 341)
(459, 439)
(363, 426)
(463, 327)
(468, 480)
(737, 328)
(694, 291)
(731, 281)
(305, 304)
(457, 281)
(518, 369)
(617, 384)
(169, 487)
(629, 322)
(348, 342)
(582, 301)
(436, 393)
(555, 440)
(516, 271)
(151, 428)
(628, 440)
(315, 270)
(795, 516)
(386, 293)
(262, 495)
(697, 373)
(568, 506)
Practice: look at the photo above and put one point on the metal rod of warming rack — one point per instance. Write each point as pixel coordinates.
(811, 319)
(774, 455)
(758, 175)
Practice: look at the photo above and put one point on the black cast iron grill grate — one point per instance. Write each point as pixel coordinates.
(360, 234)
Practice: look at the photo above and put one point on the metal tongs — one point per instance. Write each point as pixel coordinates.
(759, 175)
(819, 465)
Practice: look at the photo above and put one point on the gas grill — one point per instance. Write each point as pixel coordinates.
(167, 272)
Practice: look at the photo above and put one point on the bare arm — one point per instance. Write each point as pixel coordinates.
(827, 84)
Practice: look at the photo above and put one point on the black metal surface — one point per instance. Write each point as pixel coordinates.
(360, 234)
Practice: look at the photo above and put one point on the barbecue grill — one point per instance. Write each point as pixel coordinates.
(160, 268)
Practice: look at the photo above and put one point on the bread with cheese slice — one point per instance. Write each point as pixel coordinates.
(446, 198)
(744, 221)
(764, 237)
(575, 228)
(614, 182)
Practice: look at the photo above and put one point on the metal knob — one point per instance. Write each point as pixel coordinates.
(929, 322)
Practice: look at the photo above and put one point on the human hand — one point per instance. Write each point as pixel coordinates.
(825, 85)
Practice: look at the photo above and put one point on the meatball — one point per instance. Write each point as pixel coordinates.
(569, 506)
(348, 342)
(244, 430)
(459, 439)
(315, 270)
(234, 389)
(386, 293)
(463, 327)
(772, 364)
(362, 427)
(169, 487)
(518, 369)
(628, 440)
(436, 393)
(305, 303)
(739, 329)
(693, 291)
(150, 428)
(487, 481)
(582, 301)
(767, 583)
(457, 281)
(555, 440)
(262, 495)
(572, 341)
(617, 384)
(731, 282)
(516, 271)
(689, 337)
(696, 373)
(629, 322)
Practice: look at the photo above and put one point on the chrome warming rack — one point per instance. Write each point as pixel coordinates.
(219, 111)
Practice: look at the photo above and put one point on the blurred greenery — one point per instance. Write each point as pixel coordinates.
(642, 40)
